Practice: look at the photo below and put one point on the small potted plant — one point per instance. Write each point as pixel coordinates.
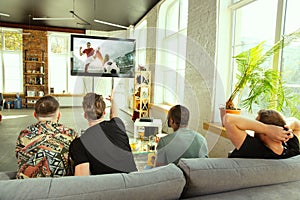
(264, 84)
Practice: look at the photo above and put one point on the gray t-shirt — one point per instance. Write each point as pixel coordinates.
(183, 143)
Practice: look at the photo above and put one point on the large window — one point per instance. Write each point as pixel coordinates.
(58, 61)
(140, 34)
(268, 20)
(290, 57)
(11, 70)
(171, 49)
(59, 65)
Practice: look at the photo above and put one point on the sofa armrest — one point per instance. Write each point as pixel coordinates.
(8, 175)
(215, 175)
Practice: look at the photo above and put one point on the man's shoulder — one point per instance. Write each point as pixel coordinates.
(31, 129)
(189, 131)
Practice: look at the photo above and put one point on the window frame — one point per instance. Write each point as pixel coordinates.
(162, 89)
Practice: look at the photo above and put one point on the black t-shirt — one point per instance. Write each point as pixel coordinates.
(106, 147)
(254, 148)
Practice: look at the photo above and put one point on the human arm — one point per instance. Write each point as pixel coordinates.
(113, 106)
(80, 51)
(82, 169)
(236, 126)
(160, 155)
(294, 124)
(78, 155)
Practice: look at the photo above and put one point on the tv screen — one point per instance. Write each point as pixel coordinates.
(102, 56)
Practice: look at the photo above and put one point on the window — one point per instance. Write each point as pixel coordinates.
(11, 70)
(171, 49)
(141, 42)
(290, 57)
(59, 65)
(269, 21)
(58, 61)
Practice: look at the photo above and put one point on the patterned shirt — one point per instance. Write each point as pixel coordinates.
(42, 150)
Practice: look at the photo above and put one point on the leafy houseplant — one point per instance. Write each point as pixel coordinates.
(264, 85)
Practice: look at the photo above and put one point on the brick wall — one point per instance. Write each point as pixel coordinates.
(36, 41)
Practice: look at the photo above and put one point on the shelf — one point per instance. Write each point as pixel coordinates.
(31, 104)
(141, 97)
(33, 61)
(32, 85)
(34, 74)
(35, 97)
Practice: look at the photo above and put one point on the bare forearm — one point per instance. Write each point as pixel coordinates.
(237, 125)
(294, 124)
(82, 169)
(244, 123)
(113, 109)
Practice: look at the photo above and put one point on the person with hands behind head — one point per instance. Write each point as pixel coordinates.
(104, 147)
(42, 149)
(272, 137)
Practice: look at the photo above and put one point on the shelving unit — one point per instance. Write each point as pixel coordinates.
(141, 98)
(34, 76)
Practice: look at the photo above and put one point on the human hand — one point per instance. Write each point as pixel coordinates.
(80, 48)
(278, 133)
(109, 98)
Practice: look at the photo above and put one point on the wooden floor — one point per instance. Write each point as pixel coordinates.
(14, 120)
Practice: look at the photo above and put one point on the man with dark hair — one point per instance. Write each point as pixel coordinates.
(42, 149)
(89, 51)
(272, 139)
(104, 147)
(183, 143)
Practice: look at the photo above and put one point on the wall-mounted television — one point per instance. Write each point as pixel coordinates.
(102, 56)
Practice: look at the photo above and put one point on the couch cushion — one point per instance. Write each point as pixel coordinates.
(215, 175)
(166, 182)
(8, 175)
(288, 191)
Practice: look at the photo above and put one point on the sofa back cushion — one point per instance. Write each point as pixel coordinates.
(166, 182)
(215, 175)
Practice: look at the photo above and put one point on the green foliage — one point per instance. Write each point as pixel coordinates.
(264, 84)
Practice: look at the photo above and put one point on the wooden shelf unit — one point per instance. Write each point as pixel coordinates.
(141, 98)
(34, 75)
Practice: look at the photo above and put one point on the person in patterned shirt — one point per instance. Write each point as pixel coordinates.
(42, 149)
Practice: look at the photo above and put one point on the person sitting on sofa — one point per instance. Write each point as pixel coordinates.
(272, 138)
(42, 149)
(183, 143)
(104, 147)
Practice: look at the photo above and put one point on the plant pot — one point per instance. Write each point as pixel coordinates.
(223, 111)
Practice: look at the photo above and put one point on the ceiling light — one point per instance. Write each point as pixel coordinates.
(52, 18)
(110, 24)
(4, 14)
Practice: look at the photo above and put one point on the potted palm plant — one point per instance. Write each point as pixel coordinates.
(264, 84)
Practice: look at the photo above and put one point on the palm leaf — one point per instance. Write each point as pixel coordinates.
(265, 85)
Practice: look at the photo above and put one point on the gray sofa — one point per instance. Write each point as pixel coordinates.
(202, 178)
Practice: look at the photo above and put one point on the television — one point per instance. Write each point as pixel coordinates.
(102, 56)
